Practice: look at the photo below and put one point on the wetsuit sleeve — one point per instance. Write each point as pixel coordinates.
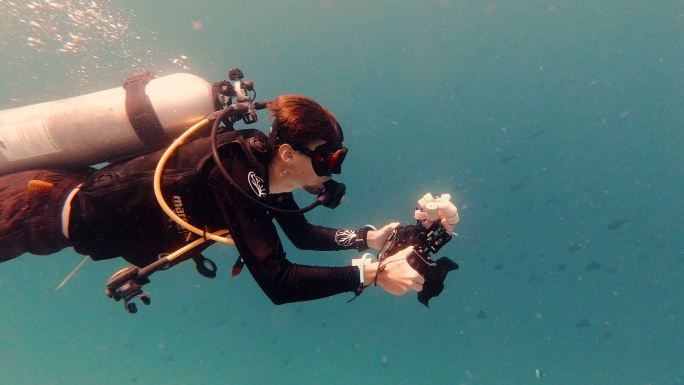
(306, 236)
(259, 246)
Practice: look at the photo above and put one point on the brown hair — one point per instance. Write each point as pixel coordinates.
(299, 120)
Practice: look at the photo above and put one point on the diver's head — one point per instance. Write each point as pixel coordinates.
(305, 142)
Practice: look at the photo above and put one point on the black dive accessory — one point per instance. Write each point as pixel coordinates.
(244, 94)
(425, 242)
(326, 159)
(126, 284)
(331, 195)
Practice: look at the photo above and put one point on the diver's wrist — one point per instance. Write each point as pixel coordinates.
(367, 270)
(370, 272)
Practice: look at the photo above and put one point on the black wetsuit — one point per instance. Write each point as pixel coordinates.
(116, 214)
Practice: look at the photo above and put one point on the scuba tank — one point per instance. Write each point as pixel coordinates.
(143, 115)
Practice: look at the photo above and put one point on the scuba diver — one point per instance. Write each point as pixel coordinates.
(236, 182)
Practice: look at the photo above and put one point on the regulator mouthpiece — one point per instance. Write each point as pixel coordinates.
(332, 194)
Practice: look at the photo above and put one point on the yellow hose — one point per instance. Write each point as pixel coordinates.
(162, 203)
(191, 245)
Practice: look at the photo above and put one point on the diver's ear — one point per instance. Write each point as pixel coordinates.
(286, 152)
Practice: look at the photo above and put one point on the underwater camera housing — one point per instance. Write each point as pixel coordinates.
(426, 241)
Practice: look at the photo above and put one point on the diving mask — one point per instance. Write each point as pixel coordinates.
(326, 159)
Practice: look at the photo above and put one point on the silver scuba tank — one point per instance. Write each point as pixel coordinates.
(144, 114)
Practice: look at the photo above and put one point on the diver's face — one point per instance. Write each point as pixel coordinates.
(304, 172)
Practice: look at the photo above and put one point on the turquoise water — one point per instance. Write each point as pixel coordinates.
(556, 126)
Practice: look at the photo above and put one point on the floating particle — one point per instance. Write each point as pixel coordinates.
(33, 41)
(536, 134)
(181, 62)
(384, 360)
(499, 266)
(516, 187)
(575, 247)
(583, 323)
(594, 266)
(617, 223)
(507, 159)
(535, 279)
(197, 25)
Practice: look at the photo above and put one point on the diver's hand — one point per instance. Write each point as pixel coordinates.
(396, 276)
(376, 239)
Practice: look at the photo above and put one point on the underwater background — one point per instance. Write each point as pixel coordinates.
(555, 125)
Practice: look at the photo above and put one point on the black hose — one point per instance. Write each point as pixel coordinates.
(217, 159)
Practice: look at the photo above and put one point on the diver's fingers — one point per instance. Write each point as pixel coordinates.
(376, 239)
(419, 279)
(390, 227)
(400, 276)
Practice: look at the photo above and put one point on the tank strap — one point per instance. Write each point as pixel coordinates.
(140, 111)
